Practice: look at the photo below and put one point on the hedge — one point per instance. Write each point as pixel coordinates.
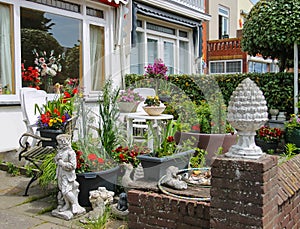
(278, 88)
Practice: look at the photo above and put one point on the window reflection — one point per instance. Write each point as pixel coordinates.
(51, 36)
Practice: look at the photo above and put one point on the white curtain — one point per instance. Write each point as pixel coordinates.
(5, 47)
(97, 57)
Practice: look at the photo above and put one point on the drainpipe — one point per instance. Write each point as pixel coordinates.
(295, 78)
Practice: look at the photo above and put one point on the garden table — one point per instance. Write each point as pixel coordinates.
(150, 120)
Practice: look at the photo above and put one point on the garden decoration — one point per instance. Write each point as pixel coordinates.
(247, 112)
(95, 164)
(99, 199)
(57, 116)
(157, 71)
(128, 100)
(166, 153)
(153, 106)
(172, 179)
(67, 196)
(120, 209)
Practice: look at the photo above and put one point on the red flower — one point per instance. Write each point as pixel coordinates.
(92, 156)
(67, 94)
(100, 160)
(75, 91)
(170, 139)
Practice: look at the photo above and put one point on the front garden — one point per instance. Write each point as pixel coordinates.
(198, 105)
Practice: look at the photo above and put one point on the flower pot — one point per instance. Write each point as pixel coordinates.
(128, 107)
(154, 110)
(155, 168)
(209, 142)
(265, 146)
(92, 180)
(49, 133)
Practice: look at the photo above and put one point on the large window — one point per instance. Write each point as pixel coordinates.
(168, 43)
(7, 84)
(43, 43)
(228, 66)
(223, 22)
(54, 38)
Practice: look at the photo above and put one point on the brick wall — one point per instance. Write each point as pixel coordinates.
(244, 194)
(289, 194)
(152, 210)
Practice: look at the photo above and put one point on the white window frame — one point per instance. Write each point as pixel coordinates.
(86, 20)
(225, 61)
(224, 12)
(160, 36)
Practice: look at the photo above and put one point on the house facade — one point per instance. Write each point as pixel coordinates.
(92, 41)
(224, 53)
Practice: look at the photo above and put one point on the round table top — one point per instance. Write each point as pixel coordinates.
(149, 117)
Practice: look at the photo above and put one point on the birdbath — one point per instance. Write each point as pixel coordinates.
(247, 112)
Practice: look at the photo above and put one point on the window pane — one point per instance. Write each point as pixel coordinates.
(217, 67)
(169, 56)
(233, 66)
(183, 57)
(54, 38)
(97, 57)
(6, 63)
(137, 56)
(152, 49)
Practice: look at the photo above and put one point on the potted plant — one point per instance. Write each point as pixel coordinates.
(166, 153)
(96, 165)
(128, 100)
(57, 116)
(94, 168)
(157, 71)
(292, 130)
(268, 138)
(153, 106)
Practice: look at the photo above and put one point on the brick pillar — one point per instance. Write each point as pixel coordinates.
(244, 193)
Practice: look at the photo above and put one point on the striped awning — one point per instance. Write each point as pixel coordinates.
(114, 3)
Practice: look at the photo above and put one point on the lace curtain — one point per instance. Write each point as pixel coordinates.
(5, 47)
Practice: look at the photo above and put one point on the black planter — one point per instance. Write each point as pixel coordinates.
(155, 168)
(93, 180)
(265, 146)
(49, 133)
(293, 136)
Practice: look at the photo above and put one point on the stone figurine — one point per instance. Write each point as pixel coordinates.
(99, 199)
(122, 203)
(173, 180)
(67, 197)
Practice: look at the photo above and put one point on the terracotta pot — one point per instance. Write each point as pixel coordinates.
(208, 142)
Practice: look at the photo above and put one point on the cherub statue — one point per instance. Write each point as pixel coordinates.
(65, 159)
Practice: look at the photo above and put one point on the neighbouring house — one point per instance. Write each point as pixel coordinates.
(91, 41)
(224, 53)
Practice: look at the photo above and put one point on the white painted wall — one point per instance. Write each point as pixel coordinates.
(234, 6)
(12, 127)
